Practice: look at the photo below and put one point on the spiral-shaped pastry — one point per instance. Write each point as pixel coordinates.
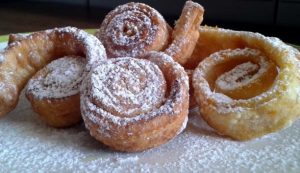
(186, 32)
(22, 59)
(250, 90)
(133, 29)
(54, 91)
(134, 104)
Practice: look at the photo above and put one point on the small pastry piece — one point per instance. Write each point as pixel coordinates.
(133, 29)
(186, 32)
(54, 91)
(22, 59)
(135, 104)
(248, 91)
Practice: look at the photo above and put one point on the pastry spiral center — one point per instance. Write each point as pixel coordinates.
(240, 75)
(127, 87)
(60, 78)
(130, 27)
(243, 73)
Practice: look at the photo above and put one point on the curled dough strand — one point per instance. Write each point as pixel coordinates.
(186, 32)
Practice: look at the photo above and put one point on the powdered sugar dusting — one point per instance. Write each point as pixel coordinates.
(28, 144)
(94, 50)
(130, 29)
(154, 103)
(60, 78)
(128, 86)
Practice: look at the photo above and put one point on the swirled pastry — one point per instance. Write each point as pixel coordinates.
(133, 29)
(186, 32)
(54, 91)
(134, 104)
(22, 59)
(249, 89)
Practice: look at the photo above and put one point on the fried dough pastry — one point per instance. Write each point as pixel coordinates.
(133, 29)
(133, 104)
(186, 32)
(16, 37)
(54, 91)
(251, 88)
(192, 100)
(22, 59)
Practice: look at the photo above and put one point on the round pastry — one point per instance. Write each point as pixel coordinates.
(54, 91)
(186, 32)
(250, 90)
(133, 29)
(135, 104)
(22, 59)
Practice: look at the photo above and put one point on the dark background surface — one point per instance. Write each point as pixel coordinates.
(280, 18)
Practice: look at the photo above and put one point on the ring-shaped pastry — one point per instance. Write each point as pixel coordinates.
(134, 104)
(22, 59)
(248, 92)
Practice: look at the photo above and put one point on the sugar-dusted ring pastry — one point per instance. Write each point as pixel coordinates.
(133, 29)
(134, 104)
(54, 91)
(186, 32)
(21, 59)
(248, 92)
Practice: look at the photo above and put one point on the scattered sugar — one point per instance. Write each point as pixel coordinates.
(61, 78)
(28, 145)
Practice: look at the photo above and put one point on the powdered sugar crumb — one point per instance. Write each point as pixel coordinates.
(29, 145)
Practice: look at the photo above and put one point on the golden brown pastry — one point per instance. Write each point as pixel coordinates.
(54, 91)
(133, 29)
(192, 100)
(135, 104)
(251, 88)
(16, 37)
(22, 59)
(186, 32)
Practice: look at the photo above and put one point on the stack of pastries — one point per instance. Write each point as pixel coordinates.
(134, 81)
